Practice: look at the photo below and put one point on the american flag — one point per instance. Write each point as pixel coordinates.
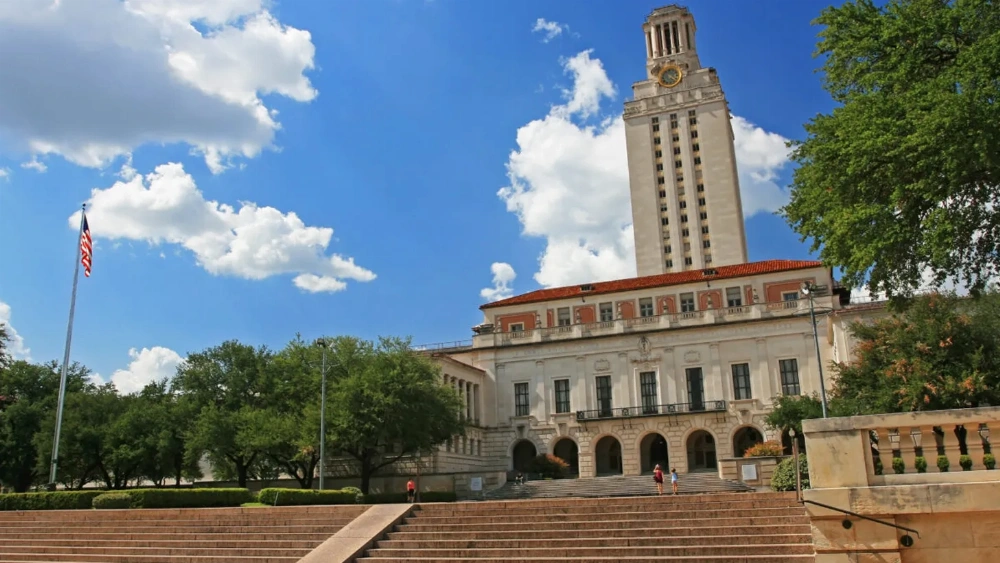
(86, 247)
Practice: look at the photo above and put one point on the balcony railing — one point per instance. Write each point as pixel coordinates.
(651, 410)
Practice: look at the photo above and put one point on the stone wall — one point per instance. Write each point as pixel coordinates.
(759, 472)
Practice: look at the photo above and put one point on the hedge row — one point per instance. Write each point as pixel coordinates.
(188, 498)
(294, 497)
(57, 500)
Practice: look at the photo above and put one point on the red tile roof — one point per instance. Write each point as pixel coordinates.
(659, 280)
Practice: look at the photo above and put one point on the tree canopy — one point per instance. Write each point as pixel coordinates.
(899, 180)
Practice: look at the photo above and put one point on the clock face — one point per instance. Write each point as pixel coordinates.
(670, 76)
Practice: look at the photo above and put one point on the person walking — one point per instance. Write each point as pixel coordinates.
(658, 479)
(411, 490)
(673, 479)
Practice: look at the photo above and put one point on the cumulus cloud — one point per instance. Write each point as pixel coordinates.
(569, 179)
(550, 30)
(503, 276)
(35, 164)
(252, 242)
(91, 80)
(15, 342)
(147, 365)
(5, 174)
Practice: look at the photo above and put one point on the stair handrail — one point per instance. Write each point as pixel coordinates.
(905, 540)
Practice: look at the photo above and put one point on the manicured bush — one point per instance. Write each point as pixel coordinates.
(770, 448)
(113, 500)
(189, 498)
(943, 463)
(549, 466)
(783, 478)
(297, 497)
(966, 463)
(989, 461)
(898, 466)
(400, 498)
(358, 495)
(56, 500)
(920, 462)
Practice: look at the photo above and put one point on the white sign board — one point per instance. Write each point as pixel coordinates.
(749, 472)
(476, 484)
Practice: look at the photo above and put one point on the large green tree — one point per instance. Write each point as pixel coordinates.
(392, 404)
(901, 177)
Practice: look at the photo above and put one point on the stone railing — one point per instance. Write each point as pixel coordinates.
(902, 449)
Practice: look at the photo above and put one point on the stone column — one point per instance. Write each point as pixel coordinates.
(764, 370)
(724, 381)
(649, 45)
(540, 391)
(468, 400)
(666, 371)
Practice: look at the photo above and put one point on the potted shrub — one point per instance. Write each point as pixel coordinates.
(966, 463)
(898, 466)
(989, 461)
(943, 463)
(921, 464)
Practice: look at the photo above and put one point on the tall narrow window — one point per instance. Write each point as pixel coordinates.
(563, 314)
(734, 297)
(647, 385)
(604, 395)
(687, 302)
(696, 389)
(562, 395)
(607, 312)
(646, 307)
(741, 381)
(522, 405)
(789, 376)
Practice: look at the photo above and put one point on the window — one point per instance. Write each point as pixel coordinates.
(673, 124)
(685, 232)
(688, 261)
(701, 187)
(675, 138)
(706, 244)
(694, 134)
(658, 154)
(670, 263)
(708, 258)
(696, 147)
(701, 201)
(661, 180)
(647, 386)
(678, 164)
(563, 316)
(693, 120)
(697, 160)
(741, 381)
(663, 193)
(677, 150)
(684, 218)
(646, 307)
(667, 249)
(687, 302)
(655, 120)
(789, 376)
(673, 116)
(680, 178)
(703, 215)
(663, 208)
(517, 327)
(691, 113)
(684, 204)
(522, 406)
(734, 297)
(562, 395)
(656, 140)
(656, 127)
(790, 296)
(604, 395)
(607, 312)
(704, 230)
(659, 166)
(664, 221)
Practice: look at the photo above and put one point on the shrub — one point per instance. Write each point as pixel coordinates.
(56, 500)
(783, 478)
(966, 463)
(770, 448)
(549, 466)
(290, 497)
(898, 466)
(189, 498)
(113, 500)
(400, 498)
(989, 461)
(943, 463)
(921, 464)
(359, 497)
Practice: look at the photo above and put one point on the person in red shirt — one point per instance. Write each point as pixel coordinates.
(658, 478)
(411, 490)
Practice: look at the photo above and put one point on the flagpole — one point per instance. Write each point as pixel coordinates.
(65, 364)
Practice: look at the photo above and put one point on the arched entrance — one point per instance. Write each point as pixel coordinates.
(653, 450)
(566, 450)
(608, 454)
(524, 453)
(744, 439)
(701, 451)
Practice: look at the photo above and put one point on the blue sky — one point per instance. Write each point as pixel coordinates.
(195, 132)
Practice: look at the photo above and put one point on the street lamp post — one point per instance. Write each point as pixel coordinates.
(809, 289)
(322, 416)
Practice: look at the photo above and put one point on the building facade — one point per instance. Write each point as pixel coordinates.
(686, 207)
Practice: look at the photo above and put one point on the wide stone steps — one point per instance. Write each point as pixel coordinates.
(726, 527)
(255, 535)
(619, 485)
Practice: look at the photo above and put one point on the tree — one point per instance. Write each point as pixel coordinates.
(789, 411)
(901, 177)
(391, 404)
(4, 355)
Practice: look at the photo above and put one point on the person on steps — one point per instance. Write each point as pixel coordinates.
(411, 490)
(673, 479)
(658, 479)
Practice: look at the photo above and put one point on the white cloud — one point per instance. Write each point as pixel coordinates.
(147, 365)
(569, 180)
(5, 174)
(93, 79)
(550, 29)
(15, 342)
(35, 164)
(503, 276)
(166, 207)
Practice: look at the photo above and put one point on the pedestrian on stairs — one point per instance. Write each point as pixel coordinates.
(658, 479)
(411, 490)
(673, 479)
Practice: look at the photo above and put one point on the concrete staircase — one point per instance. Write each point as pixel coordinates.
(204, 535)
(719, 528)
(621, 486)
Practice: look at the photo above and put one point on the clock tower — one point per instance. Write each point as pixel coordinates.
(685, 191)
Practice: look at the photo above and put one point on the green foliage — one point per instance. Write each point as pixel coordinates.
(113, 501)
(287, 497)
(770, 448)
(901, 176)
(783, 478)
(989, 461)
(359, 497)
(965, 462)
(399, 498)
(943, 352)
(898, 467)
(943, 463)
(189, 498)
(789, 411)
(920, 463)
(58, 500)
(549, 466)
